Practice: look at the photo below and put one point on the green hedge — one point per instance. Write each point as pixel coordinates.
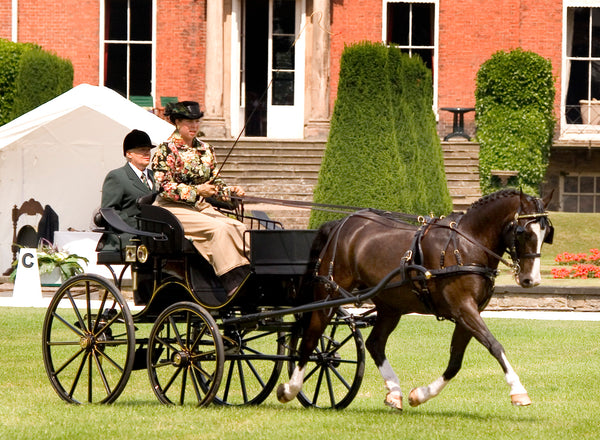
(29, 77)
(42, 77)
(515, 118)
(10, 57)
(383, 150)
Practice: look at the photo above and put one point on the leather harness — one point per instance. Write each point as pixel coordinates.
(414, 273)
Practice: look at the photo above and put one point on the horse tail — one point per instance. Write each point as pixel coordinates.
(319, 242)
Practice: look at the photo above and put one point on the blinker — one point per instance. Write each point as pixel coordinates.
(550, 235)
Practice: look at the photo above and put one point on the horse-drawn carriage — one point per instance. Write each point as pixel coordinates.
(197, 344)
(200, 346)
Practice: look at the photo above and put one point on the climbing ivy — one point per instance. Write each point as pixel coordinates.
(515, 118)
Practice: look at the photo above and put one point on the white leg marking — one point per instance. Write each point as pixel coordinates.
(393, 398)
(512, 379)
(421, 395)
(392, 383)
(288, 391)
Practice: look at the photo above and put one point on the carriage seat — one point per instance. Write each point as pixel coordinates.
(161, 221)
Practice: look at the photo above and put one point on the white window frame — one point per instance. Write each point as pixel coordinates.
(436, 39)
(574, 132)
(103, 41)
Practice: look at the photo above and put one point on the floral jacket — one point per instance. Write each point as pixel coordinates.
(179, 168)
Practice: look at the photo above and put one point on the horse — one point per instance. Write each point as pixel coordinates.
(449, 267)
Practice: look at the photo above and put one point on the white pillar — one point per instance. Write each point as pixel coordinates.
(317, 126)
(213, 123)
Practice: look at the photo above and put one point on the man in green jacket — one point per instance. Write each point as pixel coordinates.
(123, 186)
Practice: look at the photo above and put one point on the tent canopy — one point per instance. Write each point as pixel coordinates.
(60, 152)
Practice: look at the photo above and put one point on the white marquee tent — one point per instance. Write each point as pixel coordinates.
(60, 152)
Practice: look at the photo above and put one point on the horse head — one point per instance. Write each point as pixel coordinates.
(524, 236)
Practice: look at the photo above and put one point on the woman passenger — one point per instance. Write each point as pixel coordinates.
(185, 170)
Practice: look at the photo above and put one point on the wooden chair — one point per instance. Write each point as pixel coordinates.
(30, 207)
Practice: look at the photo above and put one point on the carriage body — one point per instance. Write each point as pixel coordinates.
(181, 326)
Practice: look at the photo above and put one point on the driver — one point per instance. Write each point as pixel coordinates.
(186, 174)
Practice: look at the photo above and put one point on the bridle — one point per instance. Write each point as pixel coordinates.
(514, 232)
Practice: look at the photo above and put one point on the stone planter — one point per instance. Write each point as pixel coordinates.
(590, 112)
(53, 278)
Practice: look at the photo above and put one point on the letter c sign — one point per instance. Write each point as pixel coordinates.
(26, 260)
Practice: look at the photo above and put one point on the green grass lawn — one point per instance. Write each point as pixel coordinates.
(558, 362)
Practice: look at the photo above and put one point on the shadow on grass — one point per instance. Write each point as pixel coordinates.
(414, 413)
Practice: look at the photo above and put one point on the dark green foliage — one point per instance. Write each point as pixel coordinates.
(382, 151)
(42, 77)
(10, 56)
(515, 118)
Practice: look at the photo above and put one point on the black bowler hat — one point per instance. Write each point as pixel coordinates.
(183, 110)
(136, 139)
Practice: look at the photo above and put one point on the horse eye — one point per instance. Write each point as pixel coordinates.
(519, 230)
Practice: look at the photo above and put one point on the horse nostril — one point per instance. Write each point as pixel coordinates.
(527, 282)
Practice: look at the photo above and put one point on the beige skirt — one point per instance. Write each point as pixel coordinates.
(218, 238)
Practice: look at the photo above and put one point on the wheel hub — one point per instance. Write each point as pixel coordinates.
(181, 359)
(87, 342)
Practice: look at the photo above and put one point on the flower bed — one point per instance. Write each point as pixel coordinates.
(580, 265)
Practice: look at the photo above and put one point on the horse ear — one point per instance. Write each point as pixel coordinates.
(522, 197)
(547, 198)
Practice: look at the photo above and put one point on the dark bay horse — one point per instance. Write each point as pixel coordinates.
(458, 257)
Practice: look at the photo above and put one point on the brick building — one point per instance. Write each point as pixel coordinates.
(228, 53)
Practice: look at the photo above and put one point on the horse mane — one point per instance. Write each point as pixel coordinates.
(503, 193)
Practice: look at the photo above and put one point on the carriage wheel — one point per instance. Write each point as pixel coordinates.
(251, 370)
(185, 355)
(335, 369)
(88, 341)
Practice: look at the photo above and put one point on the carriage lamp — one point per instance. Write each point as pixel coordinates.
(142, 254)
(130, 254)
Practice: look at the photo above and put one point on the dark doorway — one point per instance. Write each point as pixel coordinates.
(255, 66)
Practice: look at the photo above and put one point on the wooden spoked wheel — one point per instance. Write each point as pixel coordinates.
(185, 356)
(254, 359)
(335, 369)
(88, 341)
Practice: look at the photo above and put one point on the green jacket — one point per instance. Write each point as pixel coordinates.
(121, 189)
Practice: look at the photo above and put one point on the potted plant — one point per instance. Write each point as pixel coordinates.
(55, 266)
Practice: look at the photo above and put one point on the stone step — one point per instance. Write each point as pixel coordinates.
(277, 169)
(289, 170)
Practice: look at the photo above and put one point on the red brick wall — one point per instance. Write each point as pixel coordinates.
(5, 19)
(68, 28)
(181, 49)
(472, 30)
(352, 21)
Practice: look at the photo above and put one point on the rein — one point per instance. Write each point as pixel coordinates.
(340, 209)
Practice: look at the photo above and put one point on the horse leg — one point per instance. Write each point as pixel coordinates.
(317, 323)
(474, 324)
(375, 344)
(460, 340)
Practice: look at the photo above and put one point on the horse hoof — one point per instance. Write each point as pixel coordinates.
(520, 399)
(282, 395)
(414, 397)
(394, 400)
